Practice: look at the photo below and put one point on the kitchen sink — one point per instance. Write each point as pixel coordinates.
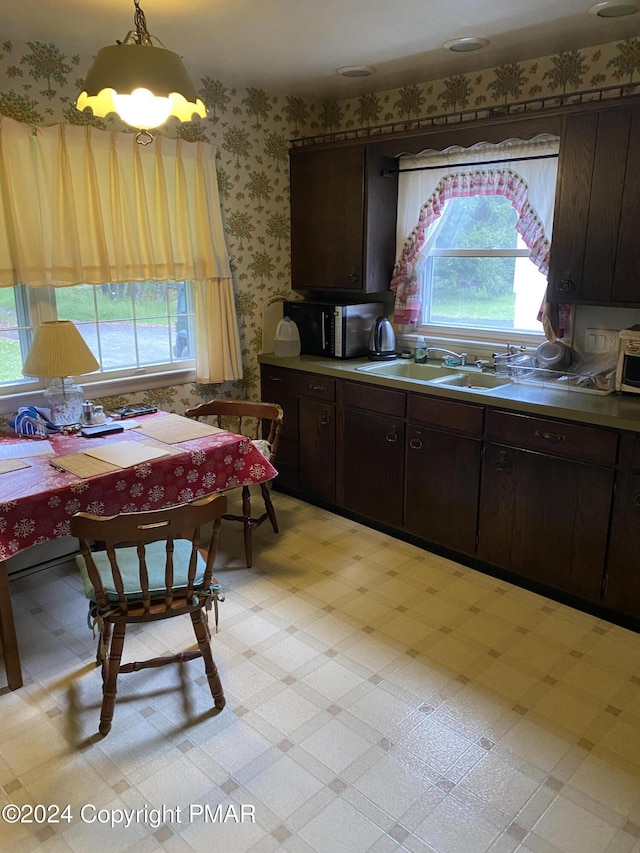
(472, 381)
(407, 370)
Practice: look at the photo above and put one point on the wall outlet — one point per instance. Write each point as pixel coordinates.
(601, 340)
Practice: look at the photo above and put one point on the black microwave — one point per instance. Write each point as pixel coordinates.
(336, 330)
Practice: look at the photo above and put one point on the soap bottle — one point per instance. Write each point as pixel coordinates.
(420, 352)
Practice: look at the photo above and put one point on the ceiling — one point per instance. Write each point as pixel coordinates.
(295, 46)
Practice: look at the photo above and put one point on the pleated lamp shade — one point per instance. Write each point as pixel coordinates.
(59, 350)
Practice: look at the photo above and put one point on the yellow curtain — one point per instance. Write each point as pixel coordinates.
(84, 206)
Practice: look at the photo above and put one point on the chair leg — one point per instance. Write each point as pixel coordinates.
(211, 670)
(247, 524)
(269, 506)
(109, 686)
(104, 641)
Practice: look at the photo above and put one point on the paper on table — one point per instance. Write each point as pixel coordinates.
(127, 453)
(7, 465)
(174, 428)
(24, 449)
(82, 465)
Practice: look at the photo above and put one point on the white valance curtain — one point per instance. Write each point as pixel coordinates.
(84, 206)
(529, 184)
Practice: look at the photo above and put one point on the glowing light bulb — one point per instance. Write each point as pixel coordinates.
(142, 108)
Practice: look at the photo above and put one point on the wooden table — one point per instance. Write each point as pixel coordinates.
(37, 502)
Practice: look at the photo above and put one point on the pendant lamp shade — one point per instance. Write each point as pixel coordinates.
(121, 71)
(141, 82)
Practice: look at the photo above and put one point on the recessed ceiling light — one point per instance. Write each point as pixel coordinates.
(356, 71)
(612, 9)
(464, 45)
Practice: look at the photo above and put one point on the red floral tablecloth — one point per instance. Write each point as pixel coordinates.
(37, 503)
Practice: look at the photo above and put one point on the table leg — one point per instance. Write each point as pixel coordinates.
(8, 632)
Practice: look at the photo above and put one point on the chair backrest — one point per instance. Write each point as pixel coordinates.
(256, 420)
(133, 531)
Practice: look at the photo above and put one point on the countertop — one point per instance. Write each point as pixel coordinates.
(620, 411)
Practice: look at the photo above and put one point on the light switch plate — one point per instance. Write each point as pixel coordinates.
(601, 340)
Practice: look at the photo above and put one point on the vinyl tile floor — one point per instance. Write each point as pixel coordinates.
(379, 698)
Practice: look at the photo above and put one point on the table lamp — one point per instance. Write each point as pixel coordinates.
(59, 352)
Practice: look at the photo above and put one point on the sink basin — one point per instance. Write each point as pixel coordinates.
(472, 381)
(407, 370)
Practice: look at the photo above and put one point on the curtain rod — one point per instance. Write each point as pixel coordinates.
(386, 173)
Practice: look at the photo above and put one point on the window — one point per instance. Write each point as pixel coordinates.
(130, 328)
(478, 274)
(473, 239)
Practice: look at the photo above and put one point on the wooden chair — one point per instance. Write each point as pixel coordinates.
(151, 568)
(247, 418)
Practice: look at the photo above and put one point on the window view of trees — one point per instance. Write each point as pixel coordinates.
(478, 273)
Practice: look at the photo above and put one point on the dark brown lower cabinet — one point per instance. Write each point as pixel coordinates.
(442, 486)
(444, 450)
(546, 518)
(307, 451)
(373, 465)
(622, 585)
(317, 424)
(371, 451)
(622, 581)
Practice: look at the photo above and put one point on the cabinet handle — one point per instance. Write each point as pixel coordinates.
(275, 378)
(353, 278)
(636, 500)
(565, 285)
(392, 435)
(550, 436)
(415, 444)
(502, 461)
(325, 418)
(317, 387)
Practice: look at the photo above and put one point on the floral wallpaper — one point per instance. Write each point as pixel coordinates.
(597, 68)
(251, 129)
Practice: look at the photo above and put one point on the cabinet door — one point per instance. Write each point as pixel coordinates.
(442, 487)
(287, 462)
(546, 518)
(622, 583)
(373, 465)
(593, 257)
(327, 218)
(626, 283)
(317, 448)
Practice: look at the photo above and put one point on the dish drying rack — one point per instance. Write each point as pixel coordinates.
(522, 368)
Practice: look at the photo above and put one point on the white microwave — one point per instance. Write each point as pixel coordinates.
(628, 370)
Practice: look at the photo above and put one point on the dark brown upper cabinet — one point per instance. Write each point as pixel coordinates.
(343, 214)
(594, 258)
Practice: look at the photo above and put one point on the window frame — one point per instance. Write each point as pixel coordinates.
(455, 334)
(35, 305)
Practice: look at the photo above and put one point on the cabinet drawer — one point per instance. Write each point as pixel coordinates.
(560, 438)
(304, 384)
(383, 401)
(446, 414)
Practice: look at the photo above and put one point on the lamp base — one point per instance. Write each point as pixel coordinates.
(65, 399)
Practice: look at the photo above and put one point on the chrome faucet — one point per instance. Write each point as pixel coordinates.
(462, 356)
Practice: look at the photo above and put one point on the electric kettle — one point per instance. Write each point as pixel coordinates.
(382, 341)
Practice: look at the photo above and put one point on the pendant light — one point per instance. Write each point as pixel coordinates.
(144, 83)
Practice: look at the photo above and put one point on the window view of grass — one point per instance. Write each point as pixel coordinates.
(125, 325)
(150, 300)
